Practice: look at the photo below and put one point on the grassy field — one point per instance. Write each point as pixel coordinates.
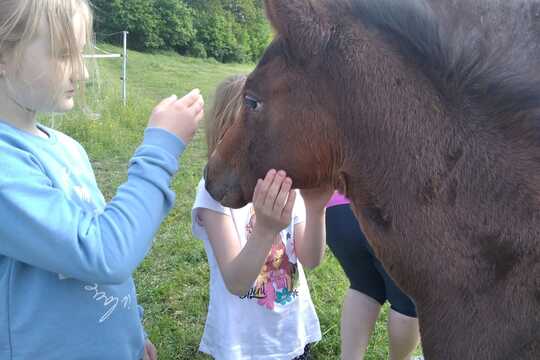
(172, 282)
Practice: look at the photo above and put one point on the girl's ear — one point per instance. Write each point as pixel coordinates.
(304, 24)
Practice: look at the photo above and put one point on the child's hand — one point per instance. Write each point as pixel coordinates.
(316, 199)
(150, 352)
(179, 116)
(273, 201)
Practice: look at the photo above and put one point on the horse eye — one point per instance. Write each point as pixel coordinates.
(251, 103)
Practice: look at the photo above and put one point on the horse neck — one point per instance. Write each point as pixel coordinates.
(422, 178)
(398, 141)
(394, 124)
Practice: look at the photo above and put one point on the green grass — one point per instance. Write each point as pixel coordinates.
(172, 282)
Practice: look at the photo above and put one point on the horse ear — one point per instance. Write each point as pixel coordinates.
(304, 24)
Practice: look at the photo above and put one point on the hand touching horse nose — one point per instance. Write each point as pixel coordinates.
(273, 201)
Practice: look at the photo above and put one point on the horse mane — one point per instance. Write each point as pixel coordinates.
(481, 76)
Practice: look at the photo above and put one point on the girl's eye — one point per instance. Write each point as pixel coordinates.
(252, 103)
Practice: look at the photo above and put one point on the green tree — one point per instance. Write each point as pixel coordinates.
(227, 30)
(176, 27)
(136, 16)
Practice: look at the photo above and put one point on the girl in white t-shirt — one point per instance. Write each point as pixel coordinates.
(260, 306)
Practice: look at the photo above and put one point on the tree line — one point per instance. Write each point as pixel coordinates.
(227, 30)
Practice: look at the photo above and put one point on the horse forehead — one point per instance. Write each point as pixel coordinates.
(282, 58)
(277, 48)
(273, 81)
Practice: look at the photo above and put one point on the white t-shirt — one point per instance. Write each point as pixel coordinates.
(276, 318)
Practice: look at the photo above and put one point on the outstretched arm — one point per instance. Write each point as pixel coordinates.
(44, 227)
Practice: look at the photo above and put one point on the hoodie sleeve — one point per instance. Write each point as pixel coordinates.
(43, 228)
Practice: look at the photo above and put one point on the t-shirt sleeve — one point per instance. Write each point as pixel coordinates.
(299, 210)
(203, 200)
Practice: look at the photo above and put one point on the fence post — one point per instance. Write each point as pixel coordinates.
(124, 69)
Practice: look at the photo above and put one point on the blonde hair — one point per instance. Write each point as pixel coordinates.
(20, 21)
(226, 108)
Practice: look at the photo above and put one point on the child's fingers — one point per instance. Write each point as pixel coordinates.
(166, 101)
(153, 353)
(146, 354)
(197, 107)
(199, 116)
(190, 98)
(150, 351)
(265, 185)
(273, 190)
(281, 198)
(288, 208)
(256, 192)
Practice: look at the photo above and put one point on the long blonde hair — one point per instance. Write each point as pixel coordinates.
(226, 108)
(20, 21)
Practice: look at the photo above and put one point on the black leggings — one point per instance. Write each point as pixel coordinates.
(365, 272)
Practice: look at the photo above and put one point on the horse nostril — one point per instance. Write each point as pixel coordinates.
(205, 172)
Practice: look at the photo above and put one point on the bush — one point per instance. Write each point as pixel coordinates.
(198, 50)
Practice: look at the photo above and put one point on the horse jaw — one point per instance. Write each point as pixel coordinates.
(223, 183)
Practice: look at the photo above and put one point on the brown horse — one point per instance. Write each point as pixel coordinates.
(433, 132)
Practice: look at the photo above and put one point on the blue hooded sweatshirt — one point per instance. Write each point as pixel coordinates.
(67, 257)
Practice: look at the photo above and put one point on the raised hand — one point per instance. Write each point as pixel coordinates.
(179, 116)
(317, 198)
(273, 201)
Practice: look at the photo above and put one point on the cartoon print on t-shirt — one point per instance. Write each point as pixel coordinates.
(277, 281)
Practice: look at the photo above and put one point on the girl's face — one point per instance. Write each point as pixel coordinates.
(41, 80)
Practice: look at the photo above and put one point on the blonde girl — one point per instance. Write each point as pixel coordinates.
(66, 257)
